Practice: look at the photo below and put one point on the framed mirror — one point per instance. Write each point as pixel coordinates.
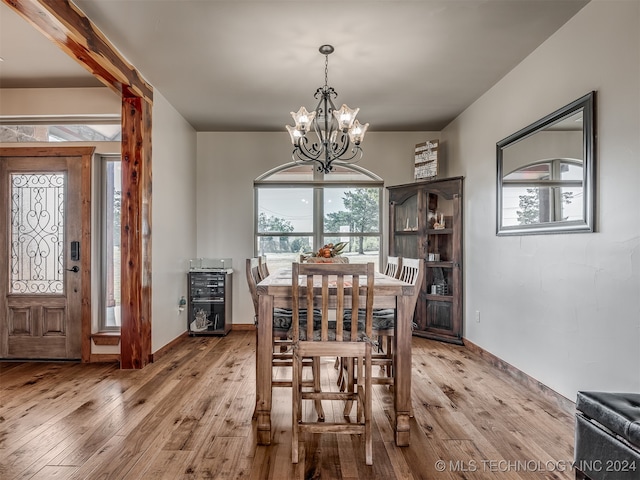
(546, 173)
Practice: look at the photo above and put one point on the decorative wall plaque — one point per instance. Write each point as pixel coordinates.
(426, 159)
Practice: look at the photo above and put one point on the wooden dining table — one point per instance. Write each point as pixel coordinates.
(275, 291)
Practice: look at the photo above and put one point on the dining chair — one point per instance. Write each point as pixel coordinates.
(383, 342)
(282, 355)
(338, 285)
(392, 269)
(394, 264)
(411, 271)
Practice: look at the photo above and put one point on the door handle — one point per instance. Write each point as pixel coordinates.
(74, 269)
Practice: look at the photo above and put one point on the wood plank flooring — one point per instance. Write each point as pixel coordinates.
(188, 416)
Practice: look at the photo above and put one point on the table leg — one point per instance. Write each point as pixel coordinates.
(264, 358)
(402, 371)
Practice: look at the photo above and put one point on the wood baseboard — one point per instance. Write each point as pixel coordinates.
(522, 378)
(104, 358)
(164, 350)
(243, 326)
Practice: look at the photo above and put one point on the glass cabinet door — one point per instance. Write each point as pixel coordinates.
(407, 215)
(405, 237)
(426, 222)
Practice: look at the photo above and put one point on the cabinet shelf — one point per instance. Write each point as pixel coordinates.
(419, 204)
(440, 298)
(440, 264)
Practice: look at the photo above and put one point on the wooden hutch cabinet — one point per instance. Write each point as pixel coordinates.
(425, 221)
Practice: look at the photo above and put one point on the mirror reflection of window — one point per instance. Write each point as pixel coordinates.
(548, 191)
(546, 173)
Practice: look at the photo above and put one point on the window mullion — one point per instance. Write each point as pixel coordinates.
(318, 218)
(556, 174)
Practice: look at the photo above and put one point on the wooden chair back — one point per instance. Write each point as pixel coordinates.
(253, 278)
(410, 270)
(337, 281)
(263, 268)
(394, 264)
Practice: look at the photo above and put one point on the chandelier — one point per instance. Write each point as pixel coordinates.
(337, 132)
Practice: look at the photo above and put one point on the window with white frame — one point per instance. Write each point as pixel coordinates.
(298, 210)
(55, 130)
(110, 243)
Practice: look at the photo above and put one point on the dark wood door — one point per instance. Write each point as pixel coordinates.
(44, 254)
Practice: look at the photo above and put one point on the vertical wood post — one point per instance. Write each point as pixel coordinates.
(135, 345)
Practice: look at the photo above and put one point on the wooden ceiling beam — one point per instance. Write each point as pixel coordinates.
(68, 28)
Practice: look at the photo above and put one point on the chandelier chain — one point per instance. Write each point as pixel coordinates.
(326, 71)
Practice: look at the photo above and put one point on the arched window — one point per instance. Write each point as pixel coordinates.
(298, 210)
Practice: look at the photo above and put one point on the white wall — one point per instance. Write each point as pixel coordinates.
(228, 163)
(173, 218)
(563, 308)
(91, 101)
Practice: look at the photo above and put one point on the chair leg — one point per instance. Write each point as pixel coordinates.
(316, 387)
(389, 352)
(360, 408)
(296, 407)
(342, 375)
(348, 406)
(254, 416)
(368, 408)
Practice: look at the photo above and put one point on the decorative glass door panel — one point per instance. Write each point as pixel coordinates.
(407, 215)
(407, 244)
(37, 233)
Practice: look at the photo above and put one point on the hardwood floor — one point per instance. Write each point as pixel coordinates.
(188, 416)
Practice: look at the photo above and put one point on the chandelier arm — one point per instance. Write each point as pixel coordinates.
(299, 159)
(338, 149)
(354, 151)
(303, 151)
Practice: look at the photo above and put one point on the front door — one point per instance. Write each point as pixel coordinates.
(44, 252)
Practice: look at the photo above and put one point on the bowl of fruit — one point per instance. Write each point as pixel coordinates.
(329, 253)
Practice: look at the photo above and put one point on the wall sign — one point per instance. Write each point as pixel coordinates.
(426, 159)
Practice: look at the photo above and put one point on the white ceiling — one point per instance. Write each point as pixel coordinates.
(242, 65)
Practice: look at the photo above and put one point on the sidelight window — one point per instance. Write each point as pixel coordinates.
(110, 248)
